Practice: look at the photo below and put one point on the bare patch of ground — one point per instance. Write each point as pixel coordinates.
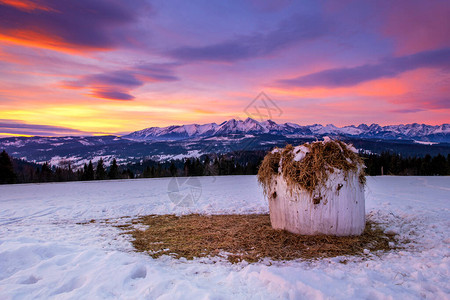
(244, 237)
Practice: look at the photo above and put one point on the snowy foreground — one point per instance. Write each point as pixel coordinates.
(45, 254)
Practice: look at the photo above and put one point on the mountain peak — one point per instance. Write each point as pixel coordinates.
(249, 120)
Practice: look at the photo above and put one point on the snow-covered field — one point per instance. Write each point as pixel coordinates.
(45, 254)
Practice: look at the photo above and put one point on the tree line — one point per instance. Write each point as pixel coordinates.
(19, 171)
(236, 163)
(394, 164)
(203, 166)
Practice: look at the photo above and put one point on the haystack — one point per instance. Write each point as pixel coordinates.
(315, 188)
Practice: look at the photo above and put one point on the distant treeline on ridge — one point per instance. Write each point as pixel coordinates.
(14, 170)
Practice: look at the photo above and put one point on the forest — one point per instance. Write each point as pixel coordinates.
(14, 170)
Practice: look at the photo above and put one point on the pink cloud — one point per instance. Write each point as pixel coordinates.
(417, 25)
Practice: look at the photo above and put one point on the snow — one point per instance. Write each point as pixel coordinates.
(45, 254)
(85, 143)
(175, 132)
(328, 129)
(425, 143)
(275, 150)
(77, 162)
(351, 130)
(300, 152)
(16, 143)
(191, 130)
(189, 154)
(352, 148)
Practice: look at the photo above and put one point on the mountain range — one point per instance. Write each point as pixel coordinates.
(177, 142)
(421, 132)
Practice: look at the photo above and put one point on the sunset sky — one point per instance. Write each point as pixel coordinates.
(97, 66)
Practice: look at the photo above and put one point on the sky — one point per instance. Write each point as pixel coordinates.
(91, 67)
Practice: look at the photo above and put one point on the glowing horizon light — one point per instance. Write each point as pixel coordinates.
(4, 134)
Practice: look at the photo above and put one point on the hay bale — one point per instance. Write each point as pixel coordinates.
(315, 188)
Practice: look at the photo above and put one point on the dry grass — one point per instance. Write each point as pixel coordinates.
(244, 237)
(269, 168)
(314, 169)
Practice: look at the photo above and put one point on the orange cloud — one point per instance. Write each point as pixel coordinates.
(204, 111)
(71, 27)
(31, 38)
(25, 5)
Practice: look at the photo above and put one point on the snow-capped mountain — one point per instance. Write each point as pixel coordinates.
(174, 132)
(176, 142)
(421, 132)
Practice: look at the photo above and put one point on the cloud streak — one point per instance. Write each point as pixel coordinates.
(294, 30)
(14, 127)
(387, 68)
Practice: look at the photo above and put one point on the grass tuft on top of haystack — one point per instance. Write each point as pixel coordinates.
(320, 159)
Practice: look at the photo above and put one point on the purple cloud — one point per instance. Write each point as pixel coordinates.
(297, 29)
(19, 127)
(124, 78)
(116, 85)
(389, 67)
(111, 94)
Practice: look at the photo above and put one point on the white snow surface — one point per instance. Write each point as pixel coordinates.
(44, 254)
(425, 143)
(300, 152)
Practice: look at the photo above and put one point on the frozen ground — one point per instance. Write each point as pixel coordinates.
(45, 254)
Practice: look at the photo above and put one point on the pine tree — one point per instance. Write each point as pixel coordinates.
(439, 165)
(216, 167)
(100, 173)
(89, 173)
(158, 171)
(207, 169)
(83, 174)
(448, 164)
(46, 174)
(71, 175)
(114, 170)
(426, 165)
(187, 167)
(198, 168)
(152, 171)
(7, 174)
(147, 172)
(127, 174)
(173, 169)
